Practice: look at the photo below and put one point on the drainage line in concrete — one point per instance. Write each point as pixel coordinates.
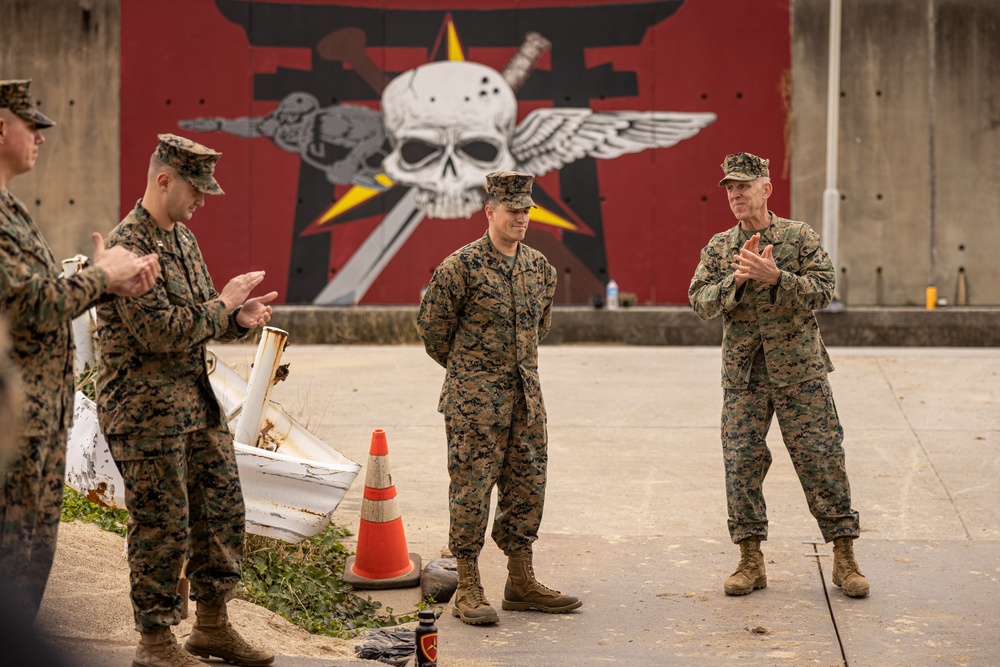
(826, 594)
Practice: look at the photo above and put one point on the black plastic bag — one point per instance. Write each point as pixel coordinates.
(393, 647)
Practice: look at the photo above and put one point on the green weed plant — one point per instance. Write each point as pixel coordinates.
(302, 583)
(77, 508)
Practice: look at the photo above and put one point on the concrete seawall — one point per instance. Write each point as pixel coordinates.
(882, 327)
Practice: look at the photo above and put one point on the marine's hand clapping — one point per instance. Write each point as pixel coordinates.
(749, 265)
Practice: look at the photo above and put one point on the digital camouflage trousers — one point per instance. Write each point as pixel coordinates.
(811, 430)
(30, 506)
(185, 504)
(512, 457)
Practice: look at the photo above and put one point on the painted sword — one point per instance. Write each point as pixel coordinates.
(357, 275)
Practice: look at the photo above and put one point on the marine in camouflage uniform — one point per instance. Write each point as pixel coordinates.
(21, 642)
(10, 396)
(484, 312)
(164, 426)
(765, 277)
(39, 306)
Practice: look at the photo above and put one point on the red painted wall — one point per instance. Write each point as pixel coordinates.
(641, 218)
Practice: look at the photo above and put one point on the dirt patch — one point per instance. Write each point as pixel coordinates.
(87, 599)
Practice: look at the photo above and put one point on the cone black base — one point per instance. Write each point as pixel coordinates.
(410, 579)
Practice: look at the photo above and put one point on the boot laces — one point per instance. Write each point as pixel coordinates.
(172, 652)
(476, 596)
(845, 557)
(187, 657)
(748, 557)
(234, 637)
(848, 565)
(539, 586)
(224, 631)
(475, 593)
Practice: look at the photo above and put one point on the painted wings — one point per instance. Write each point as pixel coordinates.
(547, 139)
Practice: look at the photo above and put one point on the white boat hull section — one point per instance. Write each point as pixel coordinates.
(290, 487)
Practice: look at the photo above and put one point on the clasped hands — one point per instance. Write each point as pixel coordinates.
(128, 274)
(751, 264)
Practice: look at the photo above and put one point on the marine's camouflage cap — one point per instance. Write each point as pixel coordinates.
(511, 187)
(194, 162)
(743, 167)
(14, 96)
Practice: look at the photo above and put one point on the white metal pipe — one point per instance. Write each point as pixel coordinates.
(83, 325)
(831, 196)
(265, 366)
(932, 142)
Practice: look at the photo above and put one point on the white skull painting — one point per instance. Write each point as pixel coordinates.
(449, 124)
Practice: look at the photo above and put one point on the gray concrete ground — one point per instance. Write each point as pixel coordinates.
(635, 517)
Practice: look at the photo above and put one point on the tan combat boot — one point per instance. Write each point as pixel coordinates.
(159, 649)
(213, 637)
(750, 574)
(845, 569)
(470, 603)
(523, 592)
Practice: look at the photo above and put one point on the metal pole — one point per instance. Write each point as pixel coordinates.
(831, 196)
(265, 366)
(931, 149)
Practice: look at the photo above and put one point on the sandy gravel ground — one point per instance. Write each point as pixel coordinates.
(87, 599)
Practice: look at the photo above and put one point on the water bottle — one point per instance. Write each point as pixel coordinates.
(426, 639)
(611, 298)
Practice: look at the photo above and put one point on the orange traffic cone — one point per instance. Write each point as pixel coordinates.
(382, 560)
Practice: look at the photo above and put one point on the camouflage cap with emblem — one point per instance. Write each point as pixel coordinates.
(512, 188)
(743, 167)
(14, 95)
(195, 163)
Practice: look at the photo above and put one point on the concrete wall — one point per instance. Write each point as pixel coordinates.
(919, 144)
(661, 325)
(919, 135)
(69, 48)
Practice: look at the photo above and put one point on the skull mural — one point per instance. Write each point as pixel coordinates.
(449, 124)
